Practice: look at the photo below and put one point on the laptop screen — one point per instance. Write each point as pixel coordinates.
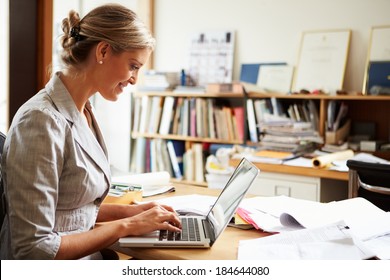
(232, 194)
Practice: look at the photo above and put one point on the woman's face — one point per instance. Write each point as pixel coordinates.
(119, 70)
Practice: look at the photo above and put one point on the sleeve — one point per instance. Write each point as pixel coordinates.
(33, 166)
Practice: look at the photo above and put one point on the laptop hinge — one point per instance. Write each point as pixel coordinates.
(208, 230)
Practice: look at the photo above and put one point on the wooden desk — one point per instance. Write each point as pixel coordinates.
(297, 170)
(225, 248)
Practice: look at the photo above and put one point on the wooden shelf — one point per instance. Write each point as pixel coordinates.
(361, 108)
(321, 96)
(297, 170)
(190, 94)
(184, 138)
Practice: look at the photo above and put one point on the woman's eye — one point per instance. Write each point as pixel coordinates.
(134, 67)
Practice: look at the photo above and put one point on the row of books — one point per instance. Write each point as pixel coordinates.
(188, 116)
(272, 127)
(156, 155)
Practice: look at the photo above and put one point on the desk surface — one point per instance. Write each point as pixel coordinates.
(297, 170)
(225, 248)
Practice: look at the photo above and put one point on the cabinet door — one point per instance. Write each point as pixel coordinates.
(272, 184)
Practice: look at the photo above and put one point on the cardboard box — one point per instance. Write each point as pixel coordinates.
(336, 137)
(224, 88)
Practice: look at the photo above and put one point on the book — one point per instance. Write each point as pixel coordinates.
(240, 121)
(251, 121)
(185, 118)
(136, 115)
(199, 117)
(271, 156)
(174, 160)
(193, 124)
(140, 155)
(166, 115)
(164, 154)
(211, 118)
(179, 147)
(229, 123)
(145, 113)
(155, 114)
(189, 165)
(199, 162)
(177, 116)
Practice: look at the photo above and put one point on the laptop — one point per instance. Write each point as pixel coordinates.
(202, 231)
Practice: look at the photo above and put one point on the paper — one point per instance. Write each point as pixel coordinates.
(282, 213)
(322, 59)
(152, 183)
(324, 160)
(275, 78)
(144, 179)
(380, 246)
(341, 165)
(331, 242)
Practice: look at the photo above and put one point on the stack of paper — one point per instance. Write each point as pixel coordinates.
(367, 224)
(271, 156)
(152, 183)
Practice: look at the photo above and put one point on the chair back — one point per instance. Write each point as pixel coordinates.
(371, 181)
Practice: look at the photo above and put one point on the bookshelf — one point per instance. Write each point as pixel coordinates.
(182, 120)
(362, 108)
(318, 184)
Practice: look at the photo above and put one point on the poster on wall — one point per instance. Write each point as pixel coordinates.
(377, 74)
(322, 61)
(211, 57)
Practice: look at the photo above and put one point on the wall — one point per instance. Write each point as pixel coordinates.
(266, 30)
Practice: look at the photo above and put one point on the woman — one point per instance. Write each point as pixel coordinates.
(55, 167)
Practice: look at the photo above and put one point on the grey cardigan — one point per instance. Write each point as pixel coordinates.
(56, 174)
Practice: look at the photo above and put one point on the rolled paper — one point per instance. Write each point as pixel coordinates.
(322, 161)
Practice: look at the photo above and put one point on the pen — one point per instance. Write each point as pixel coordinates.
(121, 187)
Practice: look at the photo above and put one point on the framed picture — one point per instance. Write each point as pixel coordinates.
(322, 60)
(377, 74)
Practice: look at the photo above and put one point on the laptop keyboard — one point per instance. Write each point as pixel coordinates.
(189, 231)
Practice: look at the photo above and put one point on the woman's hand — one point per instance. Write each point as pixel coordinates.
(148, 205)
(154, 217)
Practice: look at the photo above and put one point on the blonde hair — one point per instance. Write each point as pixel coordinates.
(112, 23)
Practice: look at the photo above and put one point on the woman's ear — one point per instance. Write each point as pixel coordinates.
(102, 50)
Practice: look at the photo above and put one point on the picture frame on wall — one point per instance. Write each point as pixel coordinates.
(322, 61)
(377, 74)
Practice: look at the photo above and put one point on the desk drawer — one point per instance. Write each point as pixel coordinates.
(272, 184)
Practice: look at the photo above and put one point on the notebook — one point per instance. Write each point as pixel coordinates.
(203, 231)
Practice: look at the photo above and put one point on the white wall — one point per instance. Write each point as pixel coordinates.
(266, 30)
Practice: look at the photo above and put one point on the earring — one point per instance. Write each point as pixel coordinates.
(100, 62)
